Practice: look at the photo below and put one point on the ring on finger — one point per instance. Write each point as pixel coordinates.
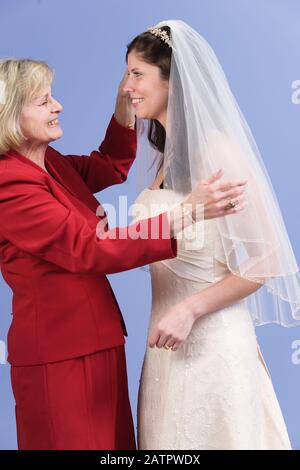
(231, 205)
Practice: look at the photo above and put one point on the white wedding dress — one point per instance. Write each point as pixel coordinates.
(215, 392)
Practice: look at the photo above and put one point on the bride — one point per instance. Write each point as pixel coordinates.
(204, 382)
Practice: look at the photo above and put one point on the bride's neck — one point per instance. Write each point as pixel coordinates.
(163, 119)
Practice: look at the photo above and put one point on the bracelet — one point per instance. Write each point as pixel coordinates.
(187, 212)
(181, 218)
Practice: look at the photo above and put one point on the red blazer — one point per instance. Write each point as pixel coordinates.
(63, 305)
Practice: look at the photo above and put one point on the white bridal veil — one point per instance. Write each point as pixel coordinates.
(206, 131)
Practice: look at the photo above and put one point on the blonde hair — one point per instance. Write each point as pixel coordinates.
(20, 80)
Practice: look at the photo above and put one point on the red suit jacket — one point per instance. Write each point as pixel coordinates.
(63, 305)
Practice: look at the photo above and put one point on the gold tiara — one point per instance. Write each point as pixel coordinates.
(163, 35)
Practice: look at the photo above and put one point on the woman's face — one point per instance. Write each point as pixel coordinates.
(39, 119)
(147, 90)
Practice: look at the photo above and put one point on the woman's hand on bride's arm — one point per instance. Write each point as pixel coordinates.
(209, 200)
(214, 196)
(124, 112)
(173, 328)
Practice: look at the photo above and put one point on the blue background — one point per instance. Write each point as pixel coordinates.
(257, 42)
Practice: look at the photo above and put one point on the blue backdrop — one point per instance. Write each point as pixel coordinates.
(257, 42)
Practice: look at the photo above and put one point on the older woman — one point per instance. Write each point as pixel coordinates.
(66, 341)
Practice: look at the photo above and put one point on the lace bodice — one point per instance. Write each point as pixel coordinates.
(195, 266)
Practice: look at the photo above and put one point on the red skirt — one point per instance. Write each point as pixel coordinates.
(81, 403)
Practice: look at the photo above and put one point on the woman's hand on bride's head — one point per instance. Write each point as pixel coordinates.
(121, 89)
(173, 328)
(217, 198)
(124, 111)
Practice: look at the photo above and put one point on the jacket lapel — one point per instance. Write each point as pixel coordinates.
(66, 177)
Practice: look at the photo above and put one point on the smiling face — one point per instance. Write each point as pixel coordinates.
(147, 89)
(39, 119)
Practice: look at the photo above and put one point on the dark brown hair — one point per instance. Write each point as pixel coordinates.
(154, 51)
